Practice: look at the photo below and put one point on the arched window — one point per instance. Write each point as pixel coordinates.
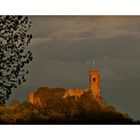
(94, 79)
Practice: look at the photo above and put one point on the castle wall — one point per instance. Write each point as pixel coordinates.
(34, 99)
(74, 92)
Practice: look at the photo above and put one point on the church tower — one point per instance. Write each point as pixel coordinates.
(94, 81)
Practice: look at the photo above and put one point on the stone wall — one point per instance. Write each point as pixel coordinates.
(35, 99)
(74, 92)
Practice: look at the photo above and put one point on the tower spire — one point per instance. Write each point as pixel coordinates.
(94, 62)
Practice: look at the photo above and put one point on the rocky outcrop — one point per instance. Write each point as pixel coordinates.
(34, 99)
(31, 97)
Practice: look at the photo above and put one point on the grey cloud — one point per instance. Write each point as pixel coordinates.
(123, 47)
(79, 28)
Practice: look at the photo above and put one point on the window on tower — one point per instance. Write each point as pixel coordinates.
(94, 79)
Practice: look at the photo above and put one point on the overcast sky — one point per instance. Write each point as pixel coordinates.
(64, 46)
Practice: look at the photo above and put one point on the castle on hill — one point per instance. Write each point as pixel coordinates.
(94, 88)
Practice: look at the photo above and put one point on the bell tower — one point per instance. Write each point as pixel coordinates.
(94, 81)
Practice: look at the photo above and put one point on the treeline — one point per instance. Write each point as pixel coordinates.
(57, 110)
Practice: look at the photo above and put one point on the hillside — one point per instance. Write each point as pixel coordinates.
(55, 109)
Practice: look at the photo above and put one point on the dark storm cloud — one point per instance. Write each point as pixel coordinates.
(63, 48)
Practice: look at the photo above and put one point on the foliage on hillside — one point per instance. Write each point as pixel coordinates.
(57, 110)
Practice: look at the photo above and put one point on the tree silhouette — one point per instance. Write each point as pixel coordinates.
(14, 39)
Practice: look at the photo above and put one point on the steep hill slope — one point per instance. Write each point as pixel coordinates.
(50, 106)
(84, 108)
